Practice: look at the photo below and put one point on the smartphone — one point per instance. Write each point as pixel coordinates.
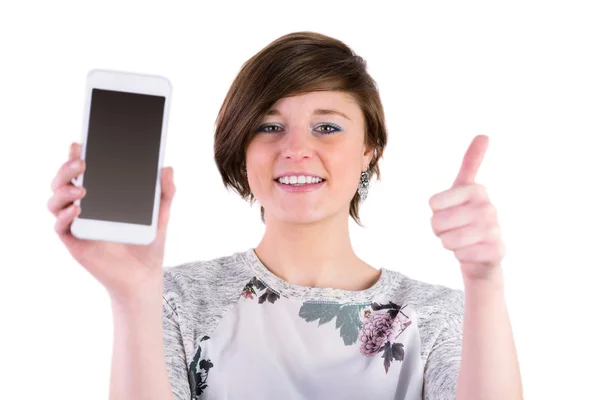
(123, 144)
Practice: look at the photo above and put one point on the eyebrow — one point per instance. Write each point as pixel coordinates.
(318, 111)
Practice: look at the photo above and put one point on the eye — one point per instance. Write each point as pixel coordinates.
(324, 128)
(330, 128)
(267, 128)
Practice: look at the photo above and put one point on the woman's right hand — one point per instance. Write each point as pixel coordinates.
(123, 269)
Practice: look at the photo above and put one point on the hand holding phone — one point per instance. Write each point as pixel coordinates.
(112, 198)
(122, 268)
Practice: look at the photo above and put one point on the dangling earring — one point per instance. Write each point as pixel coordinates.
(363, 186)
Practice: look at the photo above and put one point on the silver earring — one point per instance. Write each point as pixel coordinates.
(363, 186)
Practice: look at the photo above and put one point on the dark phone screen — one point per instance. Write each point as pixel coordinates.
(121, 155)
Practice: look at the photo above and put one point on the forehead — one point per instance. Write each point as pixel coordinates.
(306, 103)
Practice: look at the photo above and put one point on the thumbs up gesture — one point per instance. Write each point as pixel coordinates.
(466, 221)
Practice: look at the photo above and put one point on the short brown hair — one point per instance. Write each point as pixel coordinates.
(294, 64)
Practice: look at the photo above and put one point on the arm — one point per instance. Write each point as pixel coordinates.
(138, 365)
(489, 368)
(467, 223)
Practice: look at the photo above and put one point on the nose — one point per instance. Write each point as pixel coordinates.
(297, 144)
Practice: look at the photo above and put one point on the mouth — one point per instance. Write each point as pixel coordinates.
(299, 180)
(299, 183)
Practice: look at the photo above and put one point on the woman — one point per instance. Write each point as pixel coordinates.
(301, 316)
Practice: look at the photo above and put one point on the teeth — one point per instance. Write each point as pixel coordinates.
(299, 180)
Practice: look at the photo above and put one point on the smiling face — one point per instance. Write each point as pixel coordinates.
(305, 159)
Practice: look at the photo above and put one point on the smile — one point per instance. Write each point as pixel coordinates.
(299, 183)
(299, 180)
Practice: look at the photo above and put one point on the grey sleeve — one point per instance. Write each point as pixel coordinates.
(196, 296)
(174, 353)
(443, 364)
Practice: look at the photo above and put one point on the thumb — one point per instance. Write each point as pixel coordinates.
(166, 199)
(168, 185)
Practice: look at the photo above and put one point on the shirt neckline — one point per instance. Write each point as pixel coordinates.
(308, 293)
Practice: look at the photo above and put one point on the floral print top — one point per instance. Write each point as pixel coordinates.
(234, 330)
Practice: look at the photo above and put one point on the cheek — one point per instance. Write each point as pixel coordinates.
(344, 170)
(261, 158)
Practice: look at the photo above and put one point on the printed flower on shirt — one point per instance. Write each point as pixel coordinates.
(376, 326)
(247, 293)
(380, 330)
(376, 331)
(198, 372)
(269, 294)
(365, 313)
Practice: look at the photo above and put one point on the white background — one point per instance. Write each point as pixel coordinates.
(525, 73)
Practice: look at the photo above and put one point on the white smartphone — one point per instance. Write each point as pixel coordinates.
(123, 145)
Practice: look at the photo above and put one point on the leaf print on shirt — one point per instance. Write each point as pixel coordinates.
(348, 322)
(376, 326)
(347, 317)
(269, 294)
(199, 371)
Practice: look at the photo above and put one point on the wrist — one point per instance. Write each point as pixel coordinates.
(140, 297)
(493, 281)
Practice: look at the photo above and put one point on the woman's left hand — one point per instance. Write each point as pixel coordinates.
(466, 221)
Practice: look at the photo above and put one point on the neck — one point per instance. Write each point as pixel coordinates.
(315, 255)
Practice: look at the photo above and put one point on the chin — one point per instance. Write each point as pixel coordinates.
(299, 216)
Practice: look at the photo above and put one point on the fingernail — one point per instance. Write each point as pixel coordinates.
(74, 164)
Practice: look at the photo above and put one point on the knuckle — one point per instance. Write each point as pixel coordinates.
(435, 223)
(433, 200)
(445, 240)
(490, 211)
(57, 226)
(54, 185)
(59, 181)
(51, 204)
(433, 219)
